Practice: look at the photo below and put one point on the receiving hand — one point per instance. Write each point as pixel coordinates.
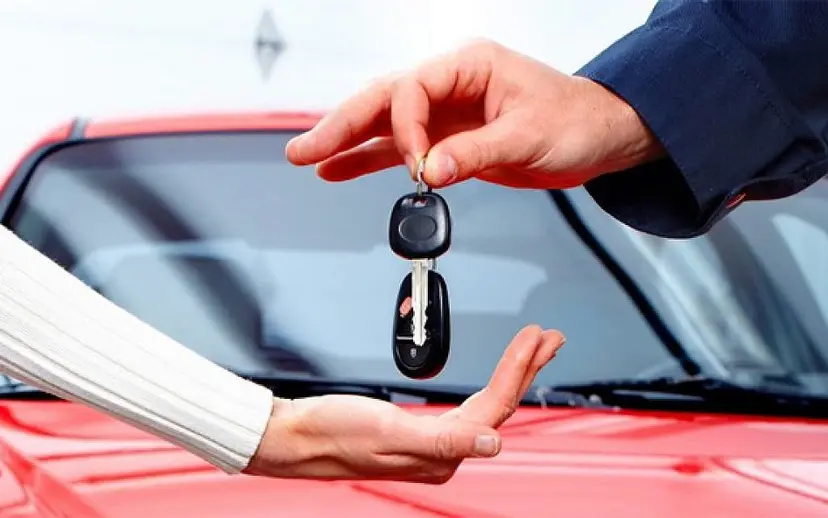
(355, 437)
(485, 112)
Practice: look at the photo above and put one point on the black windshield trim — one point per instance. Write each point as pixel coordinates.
(19, 178)
(293, 387)
(701, 394)
(626, 282)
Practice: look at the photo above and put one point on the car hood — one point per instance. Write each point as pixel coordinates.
(62, 459)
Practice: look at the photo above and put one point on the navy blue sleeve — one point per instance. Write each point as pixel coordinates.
(737, 93)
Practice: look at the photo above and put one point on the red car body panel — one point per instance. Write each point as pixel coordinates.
(63, 459)
(202, 123)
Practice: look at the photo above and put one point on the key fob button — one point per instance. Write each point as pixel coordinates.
(416, 356)
(417, 228)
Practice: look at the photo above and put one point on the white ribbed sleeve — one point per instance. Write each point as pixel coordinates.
(60, 336)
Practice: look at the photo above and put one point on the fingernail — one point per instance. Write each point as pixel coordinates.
(441, 169)
(486, 446)
(554, 333)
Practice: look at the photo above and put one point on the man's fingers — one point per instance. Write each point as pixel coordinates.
(510, 178)
(374, 155)
(364, 116)
(460, 78)
(400, 105)
(470, 153)
(410, 110)
(411, 103)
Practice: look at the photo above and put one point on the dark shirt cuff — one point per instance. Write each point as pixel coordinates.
(729, 134)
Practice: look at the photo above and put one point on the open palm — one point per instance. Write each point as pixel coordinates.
(355, 437)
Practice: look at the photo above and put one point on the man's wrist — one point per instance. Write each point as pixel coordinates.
(643, 146)
(635, 142)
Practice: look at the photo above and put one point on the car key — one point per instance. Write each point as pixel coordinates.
(426, 360)
(420, 231)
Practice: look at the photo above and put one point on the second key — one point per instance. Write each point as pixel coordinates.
(426, 360)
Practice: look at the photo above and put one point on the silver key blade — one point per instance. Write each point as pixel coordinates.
(426, 266)
(419, 298)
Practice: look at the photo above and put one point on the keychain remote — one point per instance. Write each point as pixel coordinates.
(420, 231)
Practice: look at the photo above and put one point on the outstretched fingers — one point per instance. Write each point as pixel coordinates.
(526, 355)
(551, 342)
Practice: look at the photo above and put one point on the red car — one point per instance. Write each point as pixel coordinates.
(694, 382)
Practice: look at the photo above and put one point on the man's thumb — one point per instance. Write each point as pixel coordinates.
(469, 153)
(458, 440)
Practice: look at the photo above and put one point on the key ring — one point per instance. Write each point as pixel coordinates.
(420, 181)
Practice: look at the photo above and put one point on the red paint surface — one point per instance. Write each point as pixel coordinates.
(203, 122)
(62, 459)
(555, 462)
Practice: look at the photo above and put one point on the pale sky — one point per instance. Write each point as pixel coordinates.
(62, 58)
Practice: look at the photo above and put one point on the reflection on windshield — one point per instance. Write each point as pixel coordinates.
(694, 285)
(749, 298)
(294, 288)
(808, 244)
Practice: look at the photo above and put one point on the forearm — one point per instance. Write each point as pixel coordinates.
(58, 335)
(733, 92)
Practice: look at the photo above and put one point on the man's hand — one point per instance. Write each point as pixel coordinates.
(486, 112)
(354, 437)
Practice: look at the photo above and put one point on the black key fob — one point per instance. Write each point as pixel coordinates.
(427, 360)
(420, 226)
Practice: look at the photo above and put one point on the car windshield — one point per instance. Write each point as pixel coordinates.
(264, 268)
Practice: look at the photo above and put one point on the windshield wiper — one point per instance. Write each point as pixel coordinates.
(292, 387)
(701, 394)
